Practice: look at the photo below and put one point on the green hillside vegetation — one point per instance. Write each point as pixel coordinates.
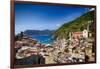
(78, 24)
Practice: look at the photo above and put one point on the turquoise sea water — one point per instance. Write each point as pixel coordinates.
(44, 39)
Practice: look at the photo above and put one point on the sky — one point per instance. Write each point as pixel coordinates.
(43, 17)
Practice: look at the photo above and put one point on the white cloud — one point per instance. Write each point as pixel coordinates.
(57, 25)
(92, 9)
